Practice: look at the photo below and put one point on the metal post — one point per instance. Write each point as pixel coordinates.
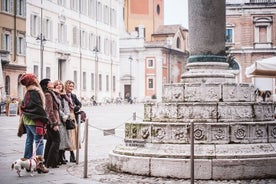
(85, 150)
(41, 55)
(78, 139)
(192, 151)
(134, 116)
(130, 74)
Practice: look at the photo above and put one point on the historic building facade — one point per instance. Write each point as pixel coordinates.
(251, 34)
(76, 40)
(12, 47)
(152, 54)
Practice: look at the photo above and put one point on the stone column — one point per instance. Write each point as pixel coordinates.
(207, 60)
(206, 27)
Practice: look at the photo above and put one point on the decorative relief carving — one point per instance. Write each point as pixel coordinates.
(259, 133)
(173, 92)
(212, 93)
(240, 133)
(273, 132)
(220, 134)
(199, 133)
(159, 132)
(145, 133)
(162, 112)
(235, 112)
(127, 130)
(180, 133)
(197, 111)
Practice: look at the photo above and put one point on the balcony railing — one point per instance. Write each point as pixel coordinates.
(262, 1)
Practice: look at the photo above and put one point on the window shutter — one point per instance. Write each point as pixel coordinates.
(65, 34)
(11, 7)
(18, 45)
(38, 25)
(24, 46)
(18, 8)
(59, 33)
(10, 43)
(4, 41)
(3, 5)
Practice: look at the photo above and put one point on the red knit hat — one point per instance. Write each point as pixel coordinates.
(28, 79)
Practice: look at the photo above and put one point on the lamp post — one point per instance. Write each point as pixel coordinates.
(130, 74)
(42, 40)
(96, 72)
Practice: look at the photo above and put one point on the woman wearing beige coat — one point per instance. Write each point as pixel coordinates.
(75, 106)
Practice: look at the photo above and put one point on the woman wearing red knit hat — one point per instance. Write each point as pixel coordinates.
(34, 117)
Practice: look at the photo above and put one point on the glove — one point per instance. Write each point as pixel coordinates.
(76, 109)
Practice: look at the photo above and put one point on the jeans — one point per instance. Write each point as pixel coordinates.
(31, 137)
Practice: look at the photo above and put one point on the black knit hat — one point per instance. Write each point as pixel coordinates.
(43, 83)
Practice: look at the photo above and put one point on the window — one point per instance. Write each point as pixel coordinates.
(62, 33)
(178, 43)
(229, 35)
(106, 47)
(150, 83)
(47, 28)
(92, 41)
(107, 82)
(150, 63)
(83, 7)
(21, 8)
(113, 48)
(100, 82)
(76, 36)
(48, 72)
(7, 41)
(99, 11)
(98, 43)
(84, 39)
(114, 83)
(21, 44)
(84, 80)
(7, 6)
(106, 14)
(61, 2)
(35, 25)
(92, 82)
(74, 5)
(262, 32)
(92, 8)
(7, 85)
(36, 70)
(113, 18)
(158, 9)
(76, 78)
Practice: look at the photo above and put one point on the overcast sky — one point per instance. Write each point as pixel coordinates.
(176, 12)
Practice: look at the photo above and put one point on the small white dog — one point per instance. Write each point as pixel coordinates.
(28, 164)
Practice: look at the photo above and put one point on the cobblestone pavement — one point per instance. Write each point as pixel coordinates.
(98, 171)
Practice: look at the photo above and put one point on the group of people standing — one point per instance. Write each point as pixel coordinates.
(44, 110)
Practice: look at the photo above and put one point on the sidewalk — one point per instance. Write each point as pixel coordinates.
(100, 118)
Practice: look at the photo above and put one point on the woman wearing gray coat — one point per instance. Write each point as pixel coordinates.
(64, 115)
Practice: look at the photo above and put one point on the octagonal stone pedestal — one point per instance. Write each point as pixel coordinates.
(234, 136)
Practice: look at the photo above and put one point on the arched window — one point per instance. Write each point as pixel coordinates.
(178, 44)
(158, 9)
(7, 85)
(234, 65)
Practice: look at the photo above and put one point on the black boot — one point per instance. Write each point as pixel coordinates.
(61, 161)
(63, 157)
(72, 157)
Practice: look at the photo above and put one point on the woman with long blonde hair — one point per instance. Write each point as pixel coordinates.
(74, 105)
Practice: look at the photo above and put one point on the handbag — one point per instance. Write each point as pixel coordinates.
(70, 124)
(21, 127)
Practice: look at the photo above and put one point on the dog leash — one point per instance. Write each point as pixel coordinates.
(34, 152)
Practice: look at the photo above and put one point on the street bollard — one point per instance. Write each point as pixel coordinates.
(86, 150)
(78, 139)
(192, 151)
(134, 116)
